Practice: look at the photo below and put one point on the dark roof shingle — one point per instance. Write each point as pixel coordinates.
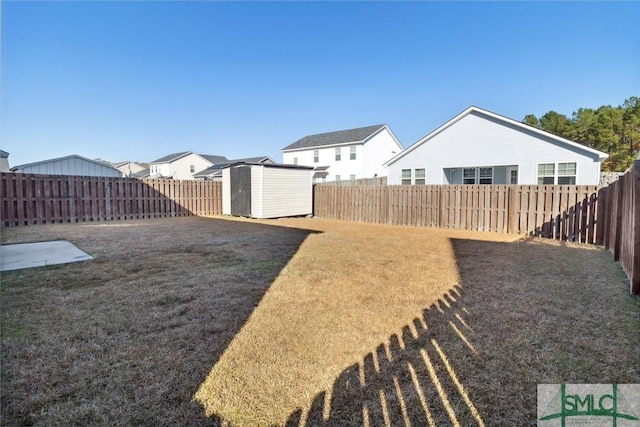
(331, 138)
(171, 157)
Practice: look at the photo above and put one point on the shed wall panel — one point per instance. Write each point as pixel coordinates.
(286, 192)
(226, 192)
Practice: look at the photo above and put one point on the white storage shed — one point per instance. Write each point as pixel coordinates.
(261, 190)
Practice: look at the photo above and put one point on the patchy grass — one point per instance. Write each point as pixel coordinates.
(306, 320)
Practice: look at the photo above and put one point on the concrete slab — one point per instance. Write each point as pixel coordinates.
(29, 255)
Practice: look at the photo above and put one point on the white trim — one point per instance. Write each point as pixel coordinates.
(556, 170)
(472, 109)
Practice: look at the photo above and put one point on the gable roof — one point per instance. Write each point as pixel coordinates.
(72, 156)
(171, 157)
(218, 166)
(506, 120)
(334, 138)
(4, 154)
(213, 158)
(175, 156)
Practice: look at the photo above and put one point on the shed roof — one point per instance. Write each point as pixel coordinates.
(506, 120)
(267, 165)
(333, 138)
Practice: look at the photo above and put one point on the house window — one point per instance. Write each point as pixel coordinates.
(546, 173)
(352, 153)
(192, 168)
(406, 177)
(352, 177)
(513, 176)
(567, 173)
(485, 176)
(295, 160)
(337, 178)
(316, 156)
(419, 176)
(469, 176)
(338, 156)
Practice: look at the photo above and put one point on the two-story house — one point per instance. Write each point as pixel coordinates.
(182, 165)
(345, 155)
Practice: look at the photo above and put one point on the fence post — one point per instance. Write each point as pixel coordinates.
(634, 279)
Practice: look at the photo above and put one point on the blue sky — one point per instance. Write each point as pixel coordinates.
(138, 80)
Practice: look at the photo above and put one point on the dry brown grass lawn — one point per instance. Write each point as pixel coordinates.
(306, 320)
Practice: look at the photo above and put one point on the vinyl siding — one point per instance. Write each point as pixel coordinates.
(285, 192)
(70, 166)
(256, 191)
(477, 140)
(376, 151)
(226, 192)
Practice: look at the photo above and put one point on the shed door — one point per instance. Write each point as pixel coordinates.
(240, 190)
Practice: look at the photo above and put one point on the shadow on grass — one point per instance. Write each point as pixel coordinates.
(523, 314)
(127, 338)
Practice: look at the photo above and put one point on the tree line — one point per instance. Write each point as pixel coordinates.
(613, 130)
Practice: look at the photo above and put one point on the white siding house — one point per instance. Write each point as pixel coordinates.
(183, 165)
(69, 165)
(132, 169)
(481, 147)
(261, 190)
(343, 155)
(4, 161)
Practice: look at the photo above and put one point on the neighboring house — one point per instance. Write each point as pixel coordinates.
(214, 173)
(182, 165)
(346, 154)
(4, 161)
(132, 169)
(481, 147)
(69, 165)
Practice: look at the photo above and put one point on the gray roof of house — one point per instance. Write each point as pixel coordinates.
(171, 157)
(218, 166)
(214, 159)
(4, 154)
(332, 138)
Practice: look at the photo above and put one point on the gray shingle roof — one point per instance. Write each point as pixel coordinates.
(214, 159)
(171, 157)
(219, 166)
(331, 138)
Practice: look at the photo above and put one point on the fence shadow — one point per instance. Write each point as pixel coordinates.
(577, 222)
(516, 319)
(161, 302)
(409, 380)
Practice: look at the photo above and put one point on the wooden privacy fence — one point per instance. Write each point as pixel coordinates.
(561, 212)
(620, 222)
(45, 199)
(608, 216)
